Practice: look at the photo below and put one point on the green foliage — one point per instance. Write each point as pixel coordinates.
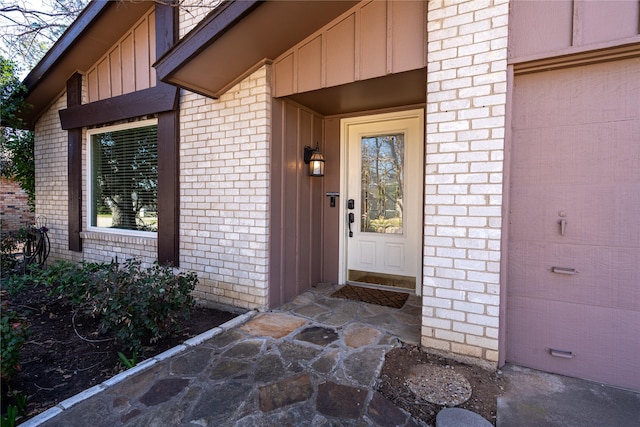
(9, 420)
(8, 259)
(13, 335)
(126, 362)
(14, 411)
(16, 144)
(136, 304)
(142, 304)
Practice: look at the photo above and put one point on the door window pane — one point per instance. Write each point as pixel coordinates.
(382, 178)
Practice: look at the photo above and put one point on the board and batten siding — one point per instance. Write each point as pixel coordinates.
(296, 200)
(545, 28)
(127, 66)
(372, 39)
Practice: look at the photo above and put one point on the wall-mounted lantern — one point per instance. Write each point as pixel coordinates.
(315, 160)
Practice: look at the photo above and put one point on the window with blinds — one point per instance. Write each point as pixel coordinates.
(124, 177)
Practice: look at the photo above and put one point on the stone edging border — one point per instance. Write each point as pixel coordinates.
(144, 365)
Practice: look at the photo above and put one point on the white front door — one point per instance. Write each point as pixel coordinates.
(383, 182)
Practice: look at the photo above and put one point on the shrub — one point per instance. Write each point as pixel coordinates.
(13, 335)
(135, 304)
(8, 258)
(139, 304)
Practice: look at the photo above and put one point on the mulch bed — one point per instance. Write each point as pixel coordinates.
(65, 355)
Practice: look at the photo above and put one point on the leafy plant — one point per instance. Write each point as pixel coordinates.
(14, 411)
(16, 144)
(8, 259)
(13, 336)
(126, 362)
(136, 304)
(9, 420)
(140, 304)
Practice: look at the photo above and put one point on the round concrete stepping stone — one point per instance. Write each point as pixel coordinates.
(439, 385)
(458, 417)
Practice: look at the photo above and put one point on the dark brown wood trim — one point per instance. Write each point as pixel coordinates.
(158, 99)
(86, 18)
(168, 150)
(166, 17)
(204, 34)
(74, 165)
(169, 194)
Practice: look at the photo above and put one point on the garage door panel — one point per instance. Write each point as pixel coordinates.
(598, 214)
(596, 153)
(575, 160)
(602, 274)
(596, 93)
(589, 342)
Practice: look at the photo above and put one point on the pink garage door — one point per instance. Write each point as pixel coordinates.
(573, 297)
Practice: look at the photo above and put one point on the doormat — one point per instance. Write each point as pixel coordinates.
(372, 296)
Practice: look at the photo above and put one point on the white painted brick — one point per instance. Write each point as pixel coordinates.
(467, 350)
(473, 113)
(452, 210)
(488, 343)
(467, 328)
(457, 20)
(453, 189)
(451, 253)
(483, 298)
(435, 343)
(469, 307)
(437, 323)
(438, 261)
(472, 178)
(454, 126)
(470, 243)
(451, 294)
(450, 336)
(443, 313)
(465, 264)
(446, 276)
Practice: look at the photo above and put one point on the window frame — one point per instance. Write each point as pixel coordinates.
(89, 178)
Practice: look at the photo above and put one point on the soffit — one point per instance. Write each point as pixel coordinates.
(91, 35)
(237, 36)
(393, 90)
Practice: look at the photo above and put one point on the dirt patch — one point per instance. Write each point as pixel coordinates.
(400, 362)
(65, 355)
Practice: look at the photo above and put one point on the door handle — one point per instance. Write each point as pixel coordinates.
(563, 226)
(352, 219)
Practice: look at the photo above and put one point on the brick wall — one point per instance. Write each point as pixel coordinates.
(52, 178)
(224, 191)
(192, 12)
(14, 207)
(466, 96)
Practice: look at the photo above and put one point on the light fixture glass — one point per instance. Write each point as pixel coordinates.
(315, 160)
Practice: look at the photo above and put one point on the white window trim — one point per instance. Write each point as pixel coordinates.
(89, 179)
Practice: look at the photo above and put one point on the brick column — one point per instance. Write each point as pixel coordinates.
(466, 95)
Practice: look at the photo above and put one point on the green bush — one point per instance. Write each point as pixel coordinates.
(140, 304)
(8, 258)
(13, 335)
(136, 304)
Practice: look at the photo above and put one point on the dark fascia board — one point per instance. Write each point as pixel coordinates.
(99, 25)
(157, 99)
(65, 42)
(211, 28)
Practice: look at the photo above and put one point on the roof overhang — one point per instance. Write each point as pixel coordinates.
(239, 36)
(91, 35)
(390, 91)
